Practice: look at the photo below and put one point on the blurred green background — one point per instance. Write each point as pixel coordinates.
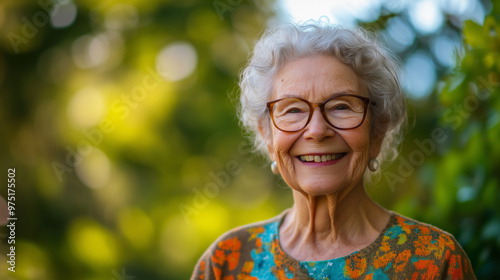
(119, 119)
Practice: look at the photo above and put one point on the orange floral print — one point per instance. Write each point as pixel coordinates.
(456, 269)
(432, 269)
(383, 260)
(402, 260)
(233, 255)
(422, 244)
(355, 267)
(217, 273)
(231, 244)
(219, 257)
(369, 276)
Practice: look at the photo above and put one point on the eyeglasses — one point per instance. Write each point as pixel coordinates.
(344, 111)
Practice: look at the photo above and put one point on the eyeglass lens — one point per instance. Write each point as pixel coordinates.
(344, 112)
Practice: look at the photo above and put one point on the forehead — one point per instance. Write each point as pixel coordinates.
(316, 78)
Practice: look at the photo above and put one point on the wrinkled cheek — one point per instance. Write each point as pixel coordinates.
(287, 169)
(358, 166)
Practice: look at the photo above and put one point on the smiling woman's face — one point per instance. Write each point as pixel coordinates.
(342, 154)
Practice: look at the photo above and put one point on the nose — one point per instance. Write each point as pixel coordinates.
(318, 128)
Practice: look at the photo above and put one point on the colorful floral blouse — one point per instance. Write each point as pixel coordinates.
(405, 249)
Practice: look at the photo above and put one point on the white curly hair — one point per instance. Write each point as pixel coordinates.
(376, 66)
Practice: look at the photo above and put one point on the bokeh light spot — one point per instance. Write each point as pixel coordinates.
(98, 50)
(420, 75)
(456, 7)
(400, 34)
(298, 10)
(212, 220)
(464, 9)
(177, 61)
(86, 108)
(136, 226)
(92, 244)
(94, 169)
(364, 10)
(63, 15)
(337, 12)
(90, 51)
(425, 16)
(174, 234)
(396, 6)
(465, 193)
(35, 264)
(445, 50)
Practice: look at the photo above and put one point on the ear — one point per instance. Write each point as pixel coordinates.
(267, 138)
(376, 144)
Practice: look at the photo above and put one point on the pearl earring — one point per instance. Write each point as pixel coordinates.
(274, 168)
(373, 165)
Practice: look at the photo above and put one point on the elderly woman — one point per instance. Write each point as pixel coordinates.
(326, 104)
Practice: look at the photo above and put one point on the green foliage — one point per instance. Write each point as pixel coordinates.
(108, 153)
(474, 133)
(457, 185)
(115, 182)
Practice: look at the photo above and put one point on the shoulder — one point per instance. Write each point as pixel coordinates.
(229, 251)
(431, 250)
(247, 233)
(424, 236)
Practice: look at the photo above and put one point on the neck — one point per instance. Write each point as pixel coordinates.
(331, 226)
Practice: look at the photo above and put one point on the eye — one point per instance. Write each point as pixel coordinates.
(294, 111)
(340, 107)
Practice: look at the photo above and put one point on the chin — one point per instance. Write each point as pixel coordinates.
(317, 188)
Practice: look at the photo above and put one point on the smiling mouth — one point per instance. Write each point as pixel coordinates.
(321, 158)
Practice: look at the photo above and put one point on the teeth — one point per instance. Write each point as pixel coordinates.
(321, 158)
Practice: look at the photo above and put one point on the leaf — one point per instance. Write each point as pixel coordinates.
(475, 35)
